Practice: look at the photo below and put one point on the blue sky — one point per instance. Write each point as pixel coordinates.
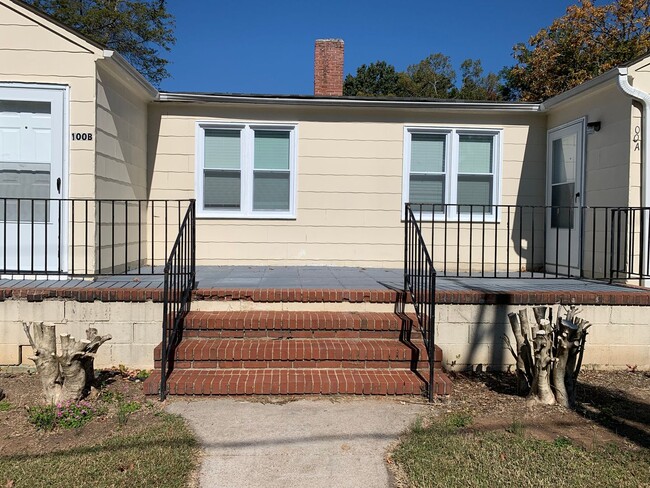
(267, 46)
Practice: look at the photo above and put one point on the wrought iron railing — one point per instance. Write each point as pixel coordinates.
(630, 247)
(86, 237)
(527, 241)
(420, 286)
(180, 280)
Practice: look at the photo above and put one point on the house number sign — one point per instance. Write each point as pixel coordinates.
(637, 138)
(82, 136)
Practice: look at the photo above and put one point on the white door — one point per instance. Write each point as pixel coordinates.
(32, 233)
(565, 156)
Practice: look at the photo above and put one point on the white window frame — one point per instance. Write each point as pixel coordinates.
(247, 141)
(452, 146)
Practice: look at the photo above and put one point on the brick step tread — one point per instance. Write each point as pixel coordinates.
(289, 321)
(195, 349)
(295, 382)
(300, 364)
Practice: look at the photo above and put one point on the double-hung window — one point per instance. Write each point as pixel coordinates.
(454, 172)
(246, 171)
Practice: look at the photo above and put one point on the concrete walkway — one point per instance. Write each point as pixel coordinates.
(307, 443)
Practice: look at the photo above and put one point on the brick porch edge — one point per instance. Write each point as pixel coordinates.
(307, 295)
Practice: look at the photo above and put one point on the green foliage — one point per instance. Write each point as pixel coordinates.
(72, 415)
(5, 406)
(124, 409)
(562, 442)
(143, 374)
(459, 420)
(587, 41)
(69, 415)
(137, 29)
(433, 77)
(374, 80)
(43, 417)
(516, 428)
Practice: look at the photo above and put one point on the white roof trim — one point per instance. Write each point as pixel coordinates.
(119, 60)
(607, 76)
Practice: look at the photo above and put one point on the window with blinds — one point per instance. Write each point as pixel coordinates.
(453, 170)
(427, 177)
(475, 171)
(222, 169)
(247, 171)
(271, 174)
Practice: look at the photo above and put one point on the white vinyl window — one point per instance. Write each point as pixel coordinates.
(246, 171)
(454, 172)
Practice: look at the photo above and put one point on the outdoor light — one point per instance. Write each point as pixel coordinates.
(593, 127)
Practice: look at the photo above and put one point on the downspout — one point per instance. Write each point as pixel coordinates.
(644, 98)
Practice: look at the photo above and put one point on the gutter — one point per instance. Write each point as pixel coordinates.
(644, 99)
(345, 102)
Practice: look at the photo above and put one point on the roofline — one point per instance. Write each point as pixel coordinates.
(344, 102)
(119, 60)
(607, 76)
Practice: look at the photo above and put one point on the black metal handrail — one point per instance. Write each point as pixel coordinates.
(535, 241)
(180, 280)
(86, 237)
(420, 285)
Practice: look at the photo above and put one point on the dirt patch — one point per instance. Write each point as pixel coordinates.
(613, 407)
(22, 390)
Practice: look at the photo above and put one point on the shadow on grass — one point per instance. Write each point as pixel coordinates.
(616, 411)
(109, 446)
(610, 408)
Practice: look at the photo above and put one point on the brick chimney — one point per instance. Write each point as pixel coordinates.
(328, 67)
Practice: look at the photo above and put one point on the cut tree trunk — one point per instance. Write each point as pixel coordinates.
(548, 354)
(67, 376)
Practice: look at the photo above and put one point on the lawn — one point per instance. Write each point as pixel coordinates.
(486, 436)
(125, 441)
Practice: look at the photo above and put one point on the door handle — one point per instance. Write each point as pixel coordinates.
(577, 196)
(58, 185)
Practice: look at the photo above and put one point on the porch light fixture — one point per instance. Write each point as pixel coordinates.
(593, 127)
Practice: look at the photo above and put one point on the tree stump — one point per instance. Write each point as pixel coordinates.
(68, 376)
(548, 354)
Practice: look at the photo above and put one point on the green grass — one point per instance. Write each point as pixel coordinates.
(447, 453)
(163, 454)
(5, 406)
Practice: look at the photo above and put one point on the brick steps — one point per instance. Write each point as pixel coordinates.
(295, 324)
(299, 353)
(295, 382)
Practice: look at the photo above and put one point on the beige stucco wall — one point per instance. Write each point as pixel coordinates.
(349, 179)
(34, 50)
(471, 336)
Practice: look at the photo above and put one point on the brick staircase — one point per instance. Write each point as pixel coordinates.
(295, 353)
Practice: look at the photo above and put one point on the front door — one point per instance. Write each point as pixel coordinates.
(564, 197)
(32, 233)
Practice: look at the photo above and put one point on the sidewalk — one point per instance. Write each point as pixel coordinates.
(338, 442)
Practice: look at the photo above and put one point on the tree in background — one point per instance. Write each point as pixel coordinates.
(137, 29)
(433, 77)
(587, 41)
(476, 86)
(374, 80)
